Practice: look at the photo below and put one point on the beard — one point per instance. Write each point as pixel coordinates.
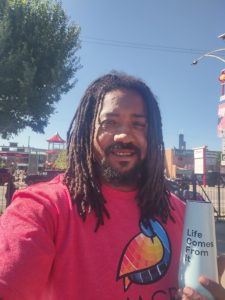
(115, 177)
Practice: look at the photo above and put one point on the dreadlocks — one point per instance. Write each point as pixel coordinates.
(80, 176)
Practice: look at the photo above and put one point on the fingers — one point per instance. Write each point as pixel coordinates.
(221, 264)
(216, 290)
(190, 294)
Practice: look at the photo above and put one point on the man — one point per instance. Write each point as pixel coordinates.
(107, 229)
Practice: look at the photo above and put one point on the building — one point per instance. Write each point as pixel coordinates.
(180, 163)
(24, 158)
(32, 160)
(182, 143)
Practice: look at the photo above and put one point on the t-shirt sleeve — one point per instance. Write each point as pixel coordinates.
(27, 249)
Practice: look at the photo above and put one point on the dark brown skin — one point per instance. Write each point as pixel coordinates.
(121, 119)
(216, 289)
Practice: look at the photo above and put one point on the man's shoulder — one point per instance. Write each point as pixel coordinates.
(53, 185)
(176, 200)
(54, 191)
(177, 204)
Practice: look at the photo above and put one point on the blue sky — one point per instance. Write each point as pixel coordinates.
(157, 41)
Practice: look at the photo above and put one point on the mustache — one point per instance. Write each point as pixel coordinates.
(120, 145)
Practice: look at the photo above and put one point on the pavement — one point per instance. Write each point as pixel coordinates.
(220, 236)
(220, 240)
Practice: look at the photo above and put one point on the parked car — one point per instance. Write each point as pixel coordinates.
(41, 177)
(182, 191)
(189, 195)
(174, 188)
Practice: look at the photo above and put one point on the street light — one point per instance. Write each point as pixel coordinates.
(221, 36)
(217, 55)
(211, 54)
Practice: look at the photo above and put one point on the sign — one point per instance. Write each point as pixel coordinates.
(222, 98)
(200, 160)
(199, 166)
(221, 117)
(221, 127)
(222, 159)
(198, 152)
(221, 110)
(223, 146)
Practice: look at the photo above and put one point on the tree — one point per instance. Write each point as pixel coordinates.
(61, 161)
(38, 62)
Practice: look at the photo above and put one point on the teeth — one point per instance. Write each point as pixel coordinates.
(123, 154)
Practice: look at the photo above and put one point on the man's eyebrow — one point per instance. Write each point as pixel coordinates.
(139, 116)
(108, 115)
(117, 114)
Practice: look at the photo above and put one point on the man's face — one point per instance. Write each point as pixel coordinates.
(120, 138)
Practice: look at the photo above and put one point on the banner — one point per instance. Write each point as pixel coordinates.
(200, 160)
(221, 118)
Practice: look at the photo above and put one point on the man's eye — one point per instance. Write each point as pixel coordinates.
(108, 124)
(139, 124)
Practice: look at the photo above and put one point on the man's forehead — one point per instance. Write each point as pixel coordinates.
(122, 98)
(121, 93)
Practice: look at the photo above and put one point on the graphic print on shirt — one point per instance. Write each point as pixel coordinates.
(146, 257)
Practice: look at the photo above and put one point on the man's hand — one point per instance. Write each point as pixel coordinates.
(215, 289)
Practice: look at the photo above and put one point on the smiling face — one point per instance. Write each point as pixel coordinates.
(120, 138)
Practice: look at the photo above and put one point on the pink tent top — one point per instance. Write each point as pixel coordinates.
(55, 151)
(56, 138)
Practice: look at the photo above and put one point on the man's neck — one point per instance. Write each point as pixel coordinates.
(122, 188)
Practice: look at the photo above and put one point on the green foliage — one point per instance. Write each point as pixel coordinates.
(2, 163)
(61, 161)
(38, 62)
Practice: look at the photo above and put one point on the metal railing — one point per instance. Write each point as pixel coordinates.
(214, 192)
(7, 188)
(9, 183)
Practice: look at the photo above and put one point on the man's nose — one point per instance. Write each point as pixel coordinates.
(124, 136)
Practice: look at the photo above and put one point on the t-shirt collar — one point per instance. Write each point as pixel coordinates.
(110, 192)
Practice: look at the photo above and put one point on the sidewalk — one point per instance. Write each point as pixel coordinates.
(220, 236)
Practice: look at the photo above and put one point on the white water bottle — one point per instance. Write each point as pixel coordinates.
(198, 250)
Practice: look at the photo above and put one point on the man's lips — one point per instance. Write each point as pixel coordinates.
(122, 150)
(123, 153)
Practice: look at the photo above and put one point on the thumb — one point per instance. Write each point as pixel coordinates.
(213, 287)
(221, 265)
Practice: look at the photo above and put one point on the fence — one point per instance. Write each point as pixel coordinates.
(7, 188)
(213, 192)
(216, 195)
(9, 183)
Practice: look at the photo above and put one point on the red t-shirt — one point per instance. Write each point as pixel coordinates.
(47, 252)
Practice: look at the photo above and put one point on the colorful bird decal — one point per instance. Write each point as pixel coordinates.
(146, 257)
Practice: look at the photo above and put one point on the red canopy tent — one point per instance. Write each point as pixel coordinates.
(55, 143)
(56, 138)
